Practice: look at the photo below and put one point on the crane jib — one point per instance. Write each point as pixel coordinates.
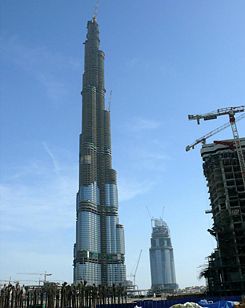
(230, 111)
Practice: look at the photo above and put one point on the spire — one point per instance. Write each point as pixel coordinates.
(92, 44)
(93, 30)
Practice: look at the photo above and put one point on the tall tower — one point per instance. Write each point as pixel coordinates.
(162, 259)
(99, 249)
(226, 265)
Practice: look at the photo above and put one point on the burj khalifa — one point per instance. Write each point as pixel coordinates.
(99, 249)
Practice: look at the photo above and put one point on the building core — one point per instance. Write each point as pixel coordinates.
(225, 272)
(162, 259)
(99, 249)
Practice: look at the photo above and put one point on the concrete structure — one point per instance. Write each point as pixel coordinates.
(99, 249)
(162, 259)
(226, 265)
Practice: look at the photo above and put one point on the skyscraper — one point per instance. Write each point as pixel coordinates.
(162, 259)
(226, 265)
(99, 249)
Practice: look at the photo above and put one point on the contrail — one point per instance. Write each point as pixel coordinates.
(52, 157)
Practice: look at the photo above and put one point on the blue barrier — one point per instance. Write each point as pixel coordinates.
(218, 302)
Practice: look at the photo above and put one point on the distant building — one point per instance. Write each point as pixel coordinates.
(225, 273)
(162, 259)
(99, 249)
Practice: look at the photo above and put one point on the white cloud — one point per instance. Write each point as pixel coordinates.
(44, 65)
(129, 189)
(39, 200)
(52, 157)
(137, 64)
(37, 215)
(55, 89)
(141, 124)
(151, 160)
(132, 63)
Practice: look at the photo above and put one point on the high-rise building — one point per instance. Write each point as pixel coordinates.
(162, 259)
(226, 265)
(99, 249)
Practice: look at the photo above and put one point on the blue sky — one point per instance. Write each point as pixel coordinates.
(165, 59)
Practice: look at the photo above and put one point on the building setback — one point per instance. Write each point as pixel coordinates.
(225, 273)
(99, 249)
(162, 259)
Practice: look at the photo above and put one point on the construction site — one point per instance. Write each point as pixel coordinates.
(99, 255)
(224, 169)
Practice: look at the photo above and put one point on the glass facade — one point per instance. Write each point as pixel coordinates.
(89, 193)
(116, 273)
(88, 231)
(120, 240)
(162, 258)
(111, 222)
(111, 195)
(99, 249)
(90, 271)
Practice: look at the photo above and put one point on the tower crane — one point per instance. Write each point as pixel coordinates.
(230, 111)
(211, 133)
(45, 274)
(136, 268)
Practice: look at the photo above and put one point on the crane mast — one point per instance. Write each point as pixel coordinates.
(45, 274)
(230, 111)
(238, 146)
(136, 268)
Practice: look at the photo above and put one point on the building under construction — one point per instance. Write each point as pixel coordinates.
(225, 273)
(162, 259)
(99, 249)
